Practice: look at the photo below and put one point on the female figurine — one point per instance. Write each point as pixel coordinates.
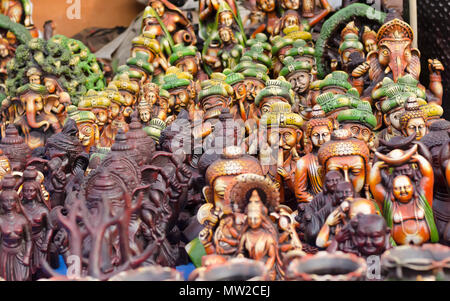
(414, 119)
(37, 211)
(259, 240)
(231, 51)
(307, 178)
(16, 244)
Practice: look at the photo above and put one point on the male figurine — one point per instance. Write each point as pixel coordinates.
(365, 235)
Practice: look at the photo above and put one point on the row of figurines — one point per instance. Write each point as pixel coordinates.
(291, 152)
(39, 99)
(261, 207)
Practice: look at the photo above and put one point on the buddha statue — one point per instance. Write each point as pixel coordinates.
(218, 176)
(348, 155)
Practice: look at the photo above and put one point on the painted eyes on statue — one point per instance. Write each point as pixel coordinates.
(356, 171)
(87, 131)
(420, 127)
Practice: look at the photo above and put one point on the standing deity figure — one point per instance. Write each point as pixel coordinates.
(37, 210)
(16, 238)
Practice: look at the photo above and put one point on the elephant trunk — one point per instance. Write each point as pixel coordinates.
(31, 115)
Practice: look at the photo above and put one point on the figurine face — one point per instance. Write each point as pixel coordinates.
(417, 126)
(220, 185)
(254, 218)
(319, 135)
(224, 35)
(403, 189)
(179, 99)
(370, 45)
(101, 116)
(291, 21)
(145, 115)
(117, 205)
(343, 191)
(253, 88)
(189, 65)
(394, 119)
(267, 5)
(226, 18)
(35, 79)
(50, 85)
(332, 178)
(352, 167)
(290, 4)
(3, 51)
(128, 98)
(358, 131)
(29, 192)
(300, 81)
(9, 204)
(285, 138)
(86, 133)
(370, 236)
(114, 110)
(396, 54)
(159, 8)
(151, 97)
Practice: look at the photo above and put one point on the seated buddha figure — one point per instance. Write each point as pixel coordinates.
(406, 203)
(348, 155)
(308, 181)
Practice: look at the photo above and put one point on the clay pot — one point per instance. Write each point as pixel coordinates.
(149, 273)
(236, 269)
(324, 266)
(426, 262)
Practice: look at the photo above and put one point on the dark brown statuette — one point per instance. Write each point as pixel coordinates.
(15, 148)
(139, 140)
(16, 242)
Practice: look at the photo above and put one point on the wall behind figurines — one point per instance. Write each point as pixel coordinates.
(72, 16)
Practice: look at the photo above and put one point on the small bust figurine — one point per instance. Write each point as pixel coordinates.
(364, 235)
(414, 119)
